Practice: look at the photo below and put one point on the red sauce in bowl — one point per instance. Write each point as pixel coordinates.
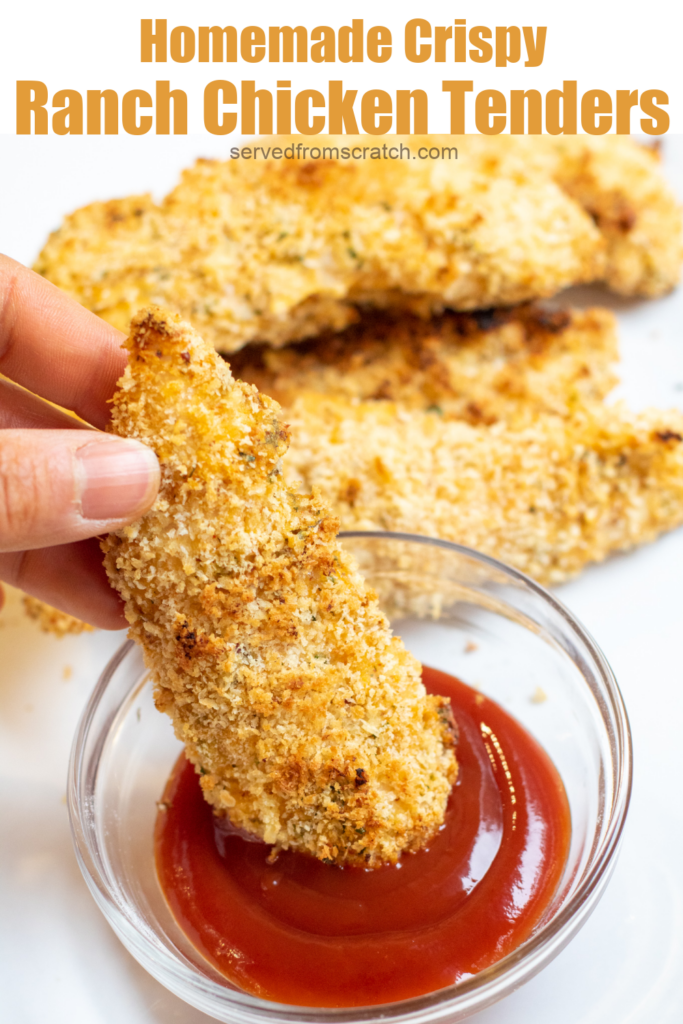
(302, 932)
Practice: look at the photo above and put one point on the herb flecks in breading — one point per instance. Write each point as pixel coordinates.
(306, 716)
(548, 494)
(277, 251)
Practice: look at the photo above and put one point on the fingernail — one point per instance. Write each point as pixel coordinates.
(118, 479)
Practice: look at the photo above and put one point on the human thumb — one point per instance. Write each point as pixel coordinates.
(59, 486)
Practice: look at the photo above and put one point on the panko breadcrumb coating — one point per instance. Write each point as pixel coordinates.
(621, 185)
(305, 717)
(480, 367)
(616, 180)
(51, 620)
(548, 495)
(279, 250)
(558, 482)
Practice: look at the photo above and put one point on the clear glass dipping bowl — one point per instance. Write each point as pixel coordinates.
(458, 611)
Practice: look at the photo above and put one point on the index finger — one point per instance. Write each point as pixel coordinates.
(54, 347)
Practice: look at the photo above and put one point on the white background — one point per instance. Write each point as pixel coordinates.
(59, 962)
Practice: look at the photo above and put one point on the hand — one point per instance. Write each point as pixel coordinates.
(62, 482)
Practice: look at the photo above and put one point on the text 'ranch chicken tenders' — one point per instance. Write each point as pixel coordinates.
(306, 718)
(279, 250)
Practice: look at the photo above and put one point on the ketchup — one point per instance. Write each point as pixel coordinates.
(302, 932)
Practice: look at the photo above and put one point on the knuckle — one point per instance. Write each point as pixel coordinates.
(20, 494)
(9, 287)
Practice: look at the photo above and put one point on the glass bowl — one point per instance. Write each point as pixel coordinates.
(458, 611)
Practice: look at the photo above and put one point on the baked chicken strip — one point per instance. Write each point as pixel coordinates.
(479, 367)
(547, 495)
(615, 179)
(279, 250)
(305, 717)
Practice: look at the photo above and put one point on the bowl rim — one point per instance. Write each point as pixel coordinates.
(502, 977)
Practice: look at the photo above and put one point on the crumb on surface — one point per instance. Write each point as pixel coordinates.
(53, 621)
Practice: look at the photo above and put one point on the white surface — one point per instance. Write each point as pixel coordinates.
(60, 963)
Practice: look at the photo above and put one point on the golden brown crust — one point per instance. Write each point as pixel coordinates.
(307, 720)
(480, 367)
(616, 180)
(621, 185)
(549, 481)
(547, 495)
(280, 250)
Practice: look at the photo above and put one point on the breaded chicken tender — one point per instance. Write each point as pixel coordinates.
(548, 495)
(617, 181)
(620, 184)
(279, 250)
(305, 717)
(480, 367)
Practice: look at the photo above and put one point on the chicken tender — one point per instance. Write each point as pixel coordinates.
(617, 181)
(620, 184)
(280, 250)
(547, 496)
(480, 367)
(306, 719)
(277, 251)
